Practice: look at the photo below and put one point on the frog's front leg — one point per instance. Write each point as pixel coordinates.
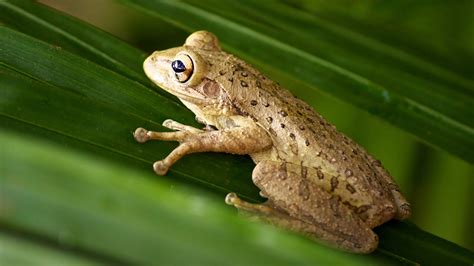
(238, 140)
(303, 206)
(142, 135)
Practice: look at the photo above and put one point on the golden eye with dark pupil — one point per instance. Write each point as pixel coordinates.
(183, 67)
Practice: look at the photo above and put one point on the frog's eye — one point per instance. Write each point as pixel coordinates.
(183, 67)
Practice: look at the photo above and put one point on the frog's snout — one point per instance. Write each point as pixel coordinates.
(148, 65)
(157, 68)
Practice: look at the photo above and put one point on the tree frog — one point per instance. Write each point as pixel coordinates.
(316, 180)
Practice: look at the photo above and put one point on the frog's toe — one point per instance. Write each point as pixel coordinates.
(160, 168)
(404, 211)
(168, 123)
(230, 198)
(141, 135)
(173, 125)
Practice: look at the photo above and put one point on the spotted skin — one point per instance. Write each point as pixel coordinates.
(317, 181)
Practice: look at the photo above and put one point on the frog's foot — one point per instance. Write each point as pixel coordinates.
(140, 135)
(162, 166)
(234, 200)
(403, 206)
(171, 124)
(230, 141)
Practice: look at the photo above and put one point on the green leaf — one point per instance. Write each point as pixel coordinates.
(74, 36)
(61, 94)
(402, 88)
(111, 210)
(14, 250)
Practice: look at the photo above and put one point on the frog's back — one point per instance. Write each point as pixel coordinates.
(300, 134)
(303, 137)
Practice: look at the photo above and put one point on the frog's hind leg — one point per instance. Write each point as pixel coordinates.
(267, 212)
(403, 207)
(297, 204)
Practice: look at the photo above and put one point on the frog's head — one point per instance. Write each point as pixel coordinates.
(188, 72)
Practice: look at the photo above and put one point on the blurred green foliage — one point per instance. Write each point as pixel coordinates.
(106, 213)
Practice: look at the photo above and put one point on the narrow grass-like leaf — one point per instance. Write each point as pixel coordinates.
(425, 99)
